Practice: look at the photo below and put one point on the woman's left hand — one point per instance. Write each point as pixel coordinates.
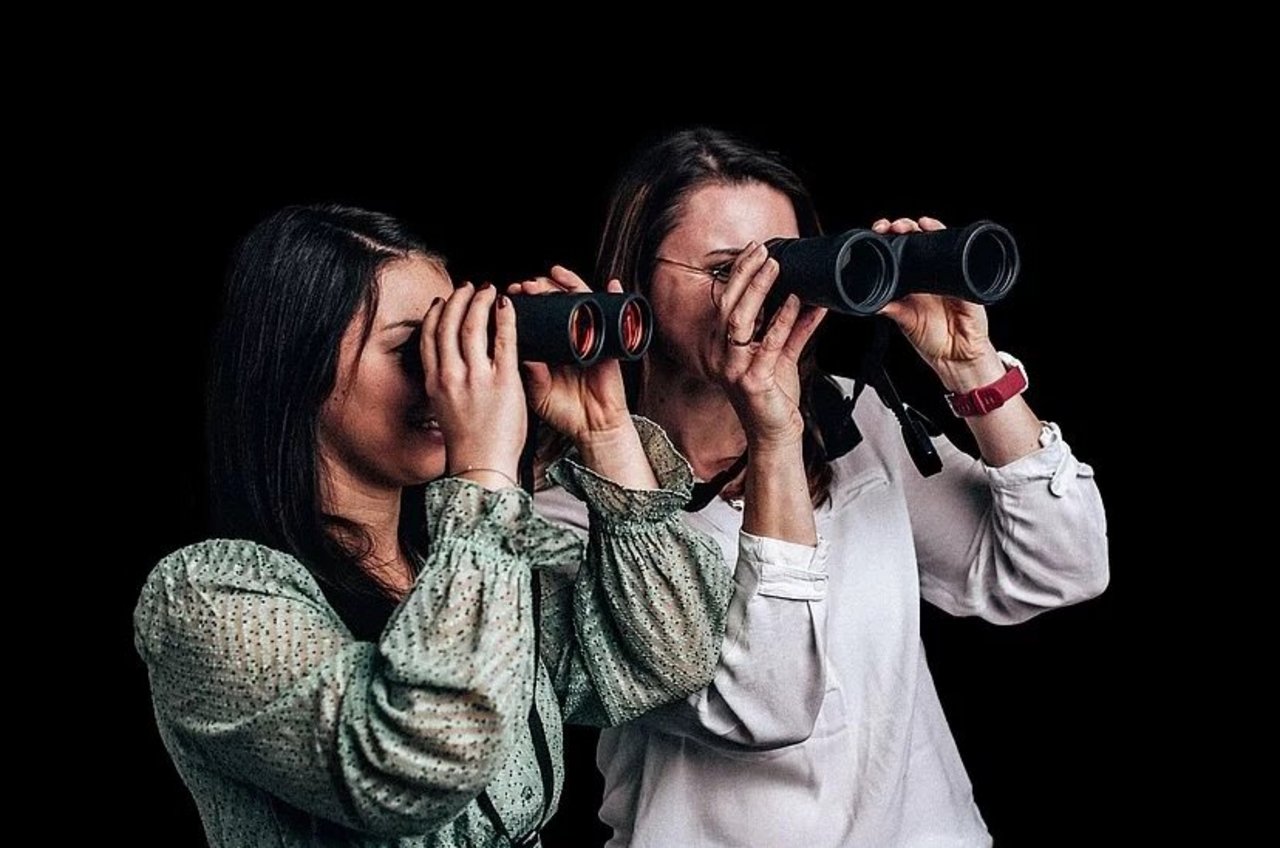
(582, 403)
(950, 334)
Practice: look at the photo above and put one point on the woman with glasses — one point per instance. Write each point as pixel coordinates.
(822, 726)
(382, 645)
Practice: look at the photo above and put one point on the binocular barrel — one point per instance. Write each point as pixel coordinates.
(978, 263)
(858, 272)
(578, 328)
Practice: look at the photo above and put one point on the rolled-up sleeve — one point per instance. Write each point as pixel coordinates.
(1008, 543)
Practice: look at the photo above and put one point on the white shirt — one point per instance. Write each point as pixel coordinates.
(822, 726)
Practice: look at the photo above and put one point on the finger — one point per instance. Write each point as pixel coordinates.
(539, 285)
(744, 268)
(614, 287)
(806, 325)
(881, 225)
(893, 309)
(775, 339)
(904, 225)
(427, 344)
(931, 225)
(475, 329)
(745, 315)
(567, 280)
(447, 346)
(538, 379)
(505, 353)
(515, 288)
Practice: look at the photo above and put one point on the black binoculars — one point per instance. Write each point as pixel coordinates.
(860, 271)
(578, 328)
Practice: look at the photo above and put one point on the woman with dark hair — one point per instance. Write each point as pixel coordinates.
(822, 726)
(384, 645)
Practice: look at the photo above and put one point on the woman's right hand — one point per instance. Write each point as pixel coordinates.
(477, 397)
(761, 376)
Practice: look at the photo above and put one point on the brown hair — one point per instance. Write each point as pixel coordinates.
(646, 205)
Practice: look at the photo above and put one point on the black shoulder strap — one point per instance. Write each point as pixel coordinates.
(840, 434)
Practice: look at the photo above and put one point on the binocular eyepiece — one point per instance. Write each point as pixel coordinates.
(579, 328)
(858, 272)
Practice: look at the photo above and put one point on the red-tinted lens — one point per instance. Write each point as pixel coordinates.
(582, 329)
(633, 328)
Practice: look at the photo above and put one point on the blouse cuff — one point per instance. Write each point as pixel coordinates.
(612, 501)
(785, 569)
(1053, 463)
(460, 510)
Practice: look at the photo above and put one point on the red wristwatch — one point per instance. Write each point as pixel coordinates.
(983, 399)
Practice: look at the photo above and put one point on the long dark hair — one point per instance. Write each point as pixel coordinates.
(294, 285)
(646, 205)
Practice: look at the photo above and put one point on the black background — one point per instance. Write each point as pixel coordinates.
(1047, 714)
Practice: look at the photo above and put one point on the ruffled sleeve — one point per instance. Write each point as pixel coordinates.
(640, 623)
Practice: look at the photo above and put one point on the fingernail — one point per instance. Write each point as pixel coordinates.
(502, 301)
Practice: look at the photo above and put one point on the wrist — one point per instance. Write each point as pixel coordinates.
(777, 448)
(596, 444)
(969, 374)
(990, 396)
(483, 464)
(492, 479)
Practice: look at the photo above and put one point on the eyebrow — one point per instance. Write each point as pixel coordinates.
(724, 251)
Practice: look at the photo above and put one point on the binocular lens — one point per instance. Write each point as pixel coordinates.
(865, 274)
(633, 328)
(583, 331)
(990, 263)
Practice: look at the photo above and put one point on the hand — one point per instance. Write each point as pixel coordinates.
(477, 397)
(586, 404)
(950, 334)
(761, 377)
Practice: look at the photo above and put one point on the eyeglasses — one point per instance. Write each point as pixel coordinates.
(720, 273)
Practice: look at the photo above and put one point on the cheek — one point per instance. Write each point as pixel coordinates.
(683, 314)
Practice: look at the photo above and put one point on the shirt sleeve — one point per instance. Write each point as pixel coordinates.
(254, 675)
(771, 678)
(1007, 543)
(767, 685)
(640, 622)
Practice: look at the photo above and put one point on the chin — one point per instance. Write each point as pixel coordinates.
(426, 465)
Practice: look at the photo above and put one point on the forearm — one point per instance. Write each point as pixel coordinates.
(777, 504)
(258, 677)
(1004, 434)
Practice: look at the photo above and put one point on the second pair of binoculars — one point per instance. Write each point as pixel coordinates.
(578, 328)
(858, 272)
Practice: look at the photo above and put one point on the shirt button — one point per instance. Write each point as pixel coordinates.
(527, 793)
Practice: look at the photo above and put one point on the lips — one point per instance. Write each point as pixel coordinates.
(421, 419)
